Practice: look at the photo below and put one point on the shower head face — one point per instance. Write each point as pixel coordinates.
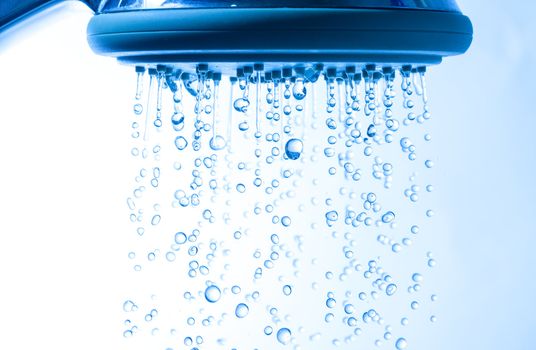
(228, 34)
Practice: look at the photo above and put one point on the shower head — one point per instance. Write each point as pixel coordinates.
(230, 33)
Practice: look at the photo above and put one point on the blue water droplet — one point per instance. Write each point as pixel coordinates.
(180, 238)
(217, 143)
(177, 120)
(299, 91)
(284, 336)
(285, 220)
(129, 306)
(371, 131)
(181, 143)
(212, 293)
(294, 148)
(388, 217)
(332, 215)
(241, 310)
(401, 344)
(241, 105)
(287, 290)
(391, 289)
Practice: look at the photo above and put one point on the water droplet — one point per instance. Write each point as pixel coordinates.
(155, 220)
(177, 120)
(241, 105)
(417, 277)
(217, 143)
(299, 91)
(332, 215)
(391, 289)
(371, 131)
(294, 148)
(287, 290)
(241, 310)
(401, 344)
(138, 108)
(284, 335)
(180, 238)
(243, 126)
(181, 143)
(212, 293)
(129, 306)
(388, 217)
(285, 220)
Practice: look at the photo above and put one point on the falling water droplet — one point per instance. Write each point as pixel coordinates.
(180, 238)
(299, 91)
(294, 148)
(217, 143)
(388, 217)
(138, 108)
(391, 289)
(241, 310)
(181, 143)
(212, 294)
(284, 335)
(177, 120)
(241, 105)
(401, 344)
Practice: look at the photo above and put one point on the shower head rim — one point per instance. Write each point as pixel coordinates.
(287, 35)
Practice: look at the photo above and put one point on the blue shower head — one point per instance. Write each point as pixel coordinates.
(235, 33)
(229, 33)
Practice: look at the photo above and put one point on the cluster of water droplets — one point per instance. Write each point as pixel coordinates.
(263, 203)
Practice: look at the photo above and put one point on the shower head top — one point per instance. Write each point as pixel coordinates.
(231, 34)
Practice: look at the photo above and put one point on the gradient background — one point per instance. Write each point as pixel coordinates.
(62, 185)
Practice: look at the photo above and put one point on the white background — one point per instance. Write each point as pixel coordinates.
(62, 184)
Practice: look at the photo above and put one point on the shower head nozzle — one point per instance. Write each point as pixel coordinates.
(386, 32)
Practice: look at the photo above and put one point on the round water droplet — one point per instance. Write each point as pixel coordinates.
(294, 148)
(243, 126)
(417, 277)
(285, 220)
(212, 294)
(181, 143)
(391, 289)
(388, 217)
(284, 335)
(405, 143)
(332, 215)
(241, 310)
(129, 306)
(241, 105)
(401, 344)
(180, 238)
(217, 143)
(138, 108)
